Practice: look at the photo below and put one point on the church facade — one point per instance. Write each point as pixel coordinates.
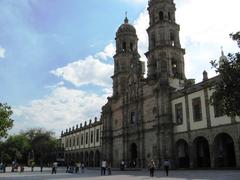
(164, 115)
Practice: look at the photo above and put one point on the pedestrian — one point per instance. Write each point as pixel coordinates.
(41, 166)
(166, 165)
(77, 167)
(151, 167)
(13, 166)
(109, 166)
(32, 166)
(103, 167)
(22, 168)
(134, 164)
(4, 168)
(82, 167)
(54, 168)
(122, 165)
(67, 168)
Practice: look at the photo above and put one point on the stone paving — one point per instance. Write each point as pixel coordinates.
(124, 175)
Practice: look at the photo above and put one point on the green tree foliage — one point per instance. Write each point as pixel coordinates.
(6, 122)
(16, 147)
(33, 144)
(228, 84)
(43, 144)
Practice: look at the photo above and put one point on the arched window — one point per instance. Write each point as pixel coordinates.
(131, 46)
(161, 16)
(153, 19)
(153, 40)
(124, 46)
(169, 16)
(172, 39)
(174, 67)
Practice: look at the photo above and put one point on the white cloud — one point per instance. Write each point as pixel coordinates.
(2, 52)
(87, 71)
(62, 108)
(205, 27)
(108, 52)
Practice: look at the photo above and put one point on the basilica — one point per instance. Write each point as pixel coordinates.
(161, 116)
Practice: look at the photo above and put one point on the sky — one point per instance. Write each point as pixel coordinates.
(56, 55)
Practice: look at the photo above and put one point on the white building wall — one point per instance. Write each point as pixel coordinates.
(217, 121)
(182, 127)
(199, 124)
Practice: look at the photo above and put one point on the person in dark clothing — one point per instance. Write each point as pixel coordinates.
(166, 165)
(151, 167)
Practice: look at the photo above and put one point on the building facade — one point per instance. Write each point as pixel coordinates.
(165, 115)
(83, 143)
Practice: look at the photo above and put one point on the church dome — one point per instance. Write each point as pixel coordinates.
(126, 28)
(222, 58)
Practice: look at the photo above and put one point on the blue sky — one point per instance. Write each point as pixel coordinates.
(55, 55)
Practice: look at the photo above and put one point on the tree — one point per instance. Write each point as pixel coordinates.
(227, 88)
(6, 122)
(15, 148)
(43, 144)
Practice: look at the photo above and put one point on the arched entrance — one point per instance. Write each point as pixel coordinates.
(97, 158)
(77, 158)
(91, 156)
(224, 151)
(81, 157)
(202, 155)
(134, 155)
(86, 159)
(182, 152)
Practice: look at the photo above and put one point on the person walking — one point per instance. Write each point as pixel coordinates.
(103, 167)
(151, 167)
(166, 165)
(41, 166)
(82, 167)
(122, 165)
(54, 168)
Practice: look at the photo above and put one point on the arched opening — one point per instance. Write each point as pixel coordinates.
(169, 16)
(124, 46)
(224, 151)
(86, 159)
(131, 46)
(153, 40)
(97, 158)
(174, 68)
(172, 39)
(81, 157)
(161, 16)
(202, 155)
(182, 154)
(134, 155)
(91, 158)
(77, 157)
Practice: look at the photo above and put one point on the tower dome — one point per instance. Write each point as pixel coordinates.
(126, 28)
(222, 58)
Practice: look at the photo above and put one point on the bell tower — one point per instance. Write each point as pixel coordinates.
(165, 55)
(125, 58)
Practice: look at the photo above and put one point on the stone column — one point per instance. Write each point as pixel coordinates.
(212, 155)
(192, 156)
(237, 152)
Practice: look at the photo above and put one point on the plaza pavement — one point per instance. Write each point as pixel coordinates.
(123, 175)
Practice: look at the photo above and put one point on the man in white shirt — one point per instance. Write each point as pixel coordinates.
(103, 167)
